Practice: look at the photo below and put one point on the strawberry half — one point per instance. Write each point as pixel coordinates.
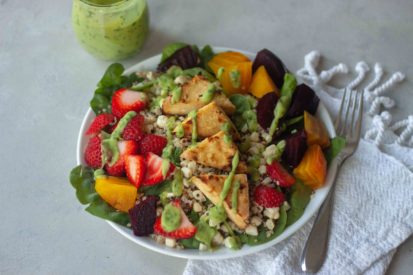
(126, 148)
(135, 169)
(268, 197)
(153, 173)
(277, 172)
(185, 230)
(125, 100)
(101, 122)
(152, 143)
(134, 129)
(93, 152)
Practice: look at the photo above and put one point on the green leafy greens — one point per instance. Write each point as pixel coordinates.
(82, 180)
(300, 197)
(111, 81)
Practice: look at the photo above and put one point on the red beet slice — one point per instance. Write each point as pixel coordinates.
(185, 58)
(265, 109)
(273, 65)
(143, 216)
(304, 99)
(295, 147)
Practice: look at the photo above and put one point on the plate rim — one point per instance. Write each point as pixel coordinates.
(208, 255)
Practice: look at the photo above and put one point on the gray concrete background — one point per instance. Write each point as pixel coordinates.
(46, 81)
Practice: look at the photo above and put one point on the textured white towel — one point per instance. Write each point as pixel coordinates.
(373, 199)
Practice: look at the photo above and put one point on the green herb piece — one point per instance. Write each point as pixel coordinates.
(193, 116)
(193, 216)
(336, 145)
(82, 179)
(233, 242)
(180, 130)
(166, 164)
(143, 85)
(283, 103)
(112, 75)
(300, 197)
(228, 180)
(244, 112)
(205, 233)
(170, 49)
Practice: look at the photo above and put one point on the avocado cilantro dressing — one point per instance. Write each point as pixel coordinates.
(177, 183)
(176, 94)
(167, 151)
(166, 164)
(98, 173)
(235, 78)
(180, 130)
(217, 214)
(234, 196)
(110, 148)
(208, 95)
(193, 115)
(111, 29)
(226, 128)
(279, 150)
(221, 70)
(228, 180)
(171, 217)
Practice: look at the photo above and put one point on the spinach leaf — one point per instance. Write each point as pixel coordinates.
(300, 197)
(193, 216)
(244, 112)
(241, 103)
(191, 243)
(206, 55)
(175, 157)
(336, 145)
(170, 49)
(82, 180)
(156, 190)
(111, 81)
(262, 232)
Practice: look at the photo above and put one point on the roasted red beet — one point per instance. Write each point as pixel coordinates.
(273, 65)
(304, 99)
(143, 216)
(265, 109)
(185, 58)
(295, 147)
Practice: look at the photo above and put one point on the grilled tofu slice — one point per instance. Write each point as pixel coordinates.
(191, 99)
(211, 186)
(212, 152)
(210, 120)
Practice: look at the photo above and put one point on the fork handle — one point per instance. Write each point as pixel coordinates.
(314, 252)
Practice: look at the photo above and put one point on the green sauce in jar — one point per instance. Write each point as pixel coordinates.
(111, 29)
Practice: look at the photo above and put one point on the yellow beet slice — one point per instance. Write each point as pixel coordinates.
(262, 83)
(315, 130)
(118, 192)
(312, 169)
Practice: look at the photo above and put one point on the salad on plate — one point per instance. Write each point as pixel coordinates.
(210, 149)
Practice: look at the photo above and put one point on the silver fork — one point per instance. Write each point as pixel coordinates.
(348, 126)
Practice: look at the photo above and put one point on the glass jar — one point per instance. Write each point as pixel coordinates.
(111, 29)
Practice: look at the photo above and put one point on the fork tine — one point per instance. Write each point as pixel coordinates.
(338, 123)
(355, 105)
(359, 116)
(349, 109)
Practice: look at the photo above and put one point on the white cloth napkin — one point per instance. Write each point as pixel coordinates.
(373, 199)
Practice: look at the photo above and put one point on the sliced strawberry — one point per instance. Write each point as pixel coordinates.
(152, 143)
(185, 230)
(277, 172)
(126, 148)
(134, 129)
(135, 169)
(125, 100)
(101, 122)
(93, 152)
(268, 197)
(153, 173)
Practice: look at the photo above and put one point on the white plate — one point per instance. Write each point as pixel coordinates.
(221, 253)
